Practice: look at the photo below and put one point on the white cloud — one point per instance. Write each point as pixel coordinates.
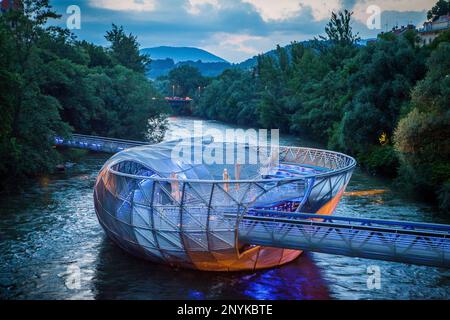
(321, 9)
(239, 47)
(285, 9)
(240, 42)
(195, 6)
(272, 10)
(125, 5)
(398, 5)
(360, 7)
(275, 10)
(230, 28)
(234, 47)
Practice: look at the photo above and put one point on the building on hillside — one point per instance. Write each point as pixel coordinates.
(7, 5)
(397, 31)
(432, 29)
(403, 29)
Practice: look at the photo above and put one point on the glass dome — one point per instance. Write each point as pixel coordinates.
(163, 203)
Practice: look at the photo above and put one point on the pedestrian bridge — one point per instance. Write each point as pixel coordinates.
(98, 144)
(400, 241)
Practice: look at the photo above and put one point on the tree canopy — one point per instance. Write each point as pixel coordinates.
(125, 49)
(51, 85)
(339, 29)
(441, 8)
(422, 136)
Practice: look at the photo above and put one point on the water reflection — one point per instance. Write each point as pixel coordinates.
(119, 276)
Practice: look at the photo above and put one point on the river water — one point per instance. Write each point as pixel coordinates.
(52, 247)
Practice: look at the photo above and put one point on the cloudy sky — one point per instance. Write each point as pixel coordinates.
(232, 29)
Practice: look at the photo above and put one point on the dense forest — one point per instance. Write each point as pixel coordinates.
(52, 84)
(386, 103)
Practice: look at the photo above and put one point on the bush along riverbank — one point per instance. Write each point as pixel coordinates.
(385, 103)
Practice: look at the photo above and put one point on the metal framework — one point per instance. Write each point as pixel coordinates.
(184, 215)
(99, 144)
(159, 209)
(409, 242)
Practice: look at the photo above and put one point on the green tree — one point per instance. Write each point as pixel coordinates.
(98, 56)
(125, 49)
(422, 138)
(129, 100)
(441, 8)
(320, 80)
(380, 82)
(185, 80)
(30, 118)
(272, 73)
(231, 97)
(51, 84)
(339, 30)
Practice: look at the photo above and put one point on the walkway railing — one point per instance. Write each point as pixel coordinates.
(401, 241)
(100, 144)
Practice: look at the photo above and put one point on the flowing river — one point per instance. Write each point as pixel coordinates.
(52, 247)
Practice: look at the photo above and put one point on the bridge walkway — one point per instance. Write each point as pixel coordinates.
(401, 241)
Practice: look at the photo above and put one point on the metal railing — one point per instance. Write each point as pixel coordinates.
(401, 241)
(99, 144)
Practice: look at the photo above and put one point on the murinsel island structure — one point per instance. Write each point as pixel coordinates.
(234, 217)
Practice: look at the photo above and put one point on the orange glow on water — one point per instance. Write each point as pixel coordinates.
(44, 181)
(365, 193)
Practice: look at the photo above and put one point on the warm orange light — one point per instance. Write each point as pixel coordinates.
(44, 181)
(365, 193)
(383, 139)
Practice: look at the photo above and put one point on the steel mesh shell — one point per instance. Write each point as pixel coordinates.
(193, 220)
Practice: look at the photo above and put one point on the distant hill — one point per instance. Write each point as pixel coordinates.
(180, 54)
(166, 58)
(160, 68)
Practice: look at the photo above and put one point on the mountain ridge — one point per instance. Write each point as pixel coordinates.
(166, 58)
(182, 54)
